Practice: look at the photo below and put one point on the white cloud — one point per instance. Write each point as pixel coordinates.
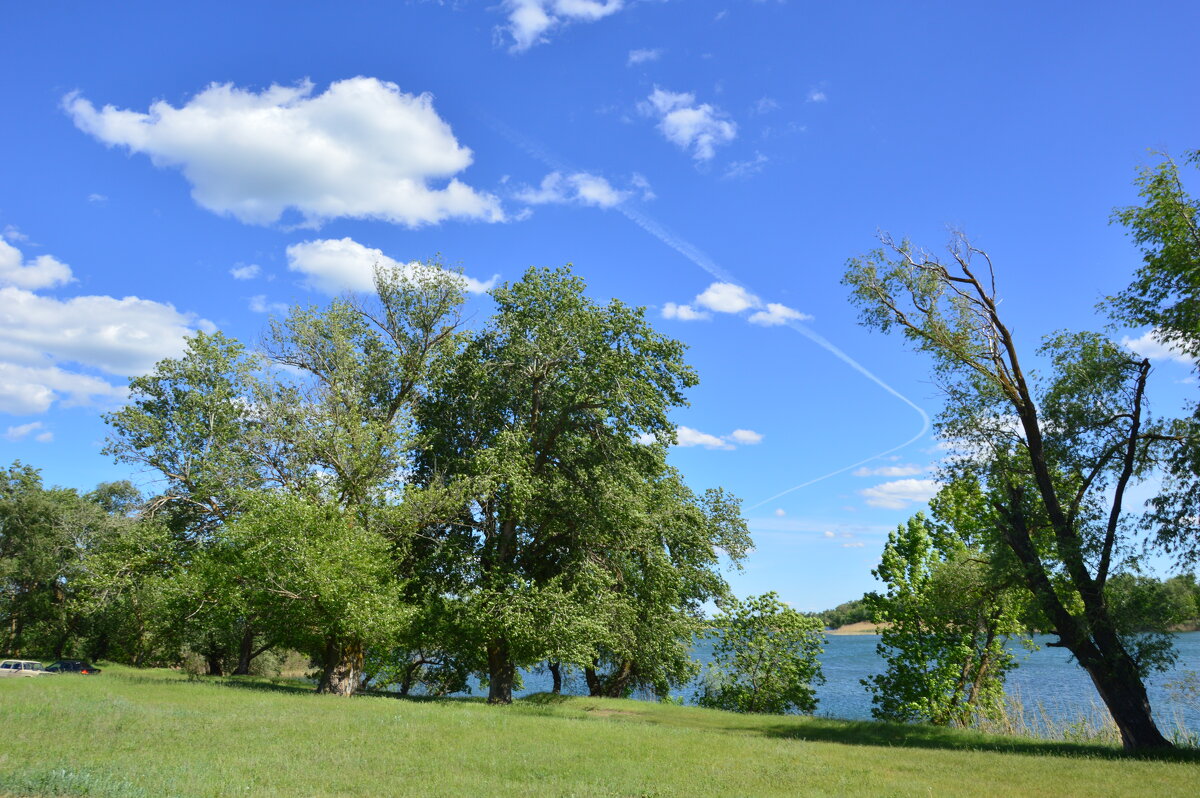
(25, 430)
(13, 233)
(817, 96)
(25, 390)
(766, 105)
(747, 437)
(247, 272)
(780, 512)
(684, 313)
(733, 298)
(97, 198)
(336, 265)
(738, 170)
(890, 471)
(727, 298)
(688, 437)
(1150, 345)
(777, 314)
(41, 272)
(643, 56)
(580, 188)
(698, 128)
(44, 340)
(827, 533)
(643, 185)
(259, 304)
(900, 493)
(855, 545)
(530, 21)
(363, 149)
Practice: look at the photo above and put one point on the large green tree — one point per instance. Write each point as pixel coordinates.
(541, 415)
(1056, 455)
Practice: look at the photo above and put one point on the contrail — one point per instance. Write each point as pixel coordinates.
(699, 258)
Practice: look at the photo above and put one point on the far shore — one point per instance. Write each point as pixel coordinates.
(860, 628)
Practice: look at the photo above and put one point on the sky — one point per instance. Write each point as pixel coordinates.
(173, 167)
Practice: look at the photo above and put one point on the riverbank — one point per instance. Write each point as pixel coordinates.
(129, 733)
(860, 628)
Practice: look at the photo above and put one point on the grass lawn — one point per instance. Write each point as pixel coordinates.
(154, 733)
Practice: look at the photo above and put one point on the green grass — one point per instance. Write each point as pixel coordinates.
(129, 733)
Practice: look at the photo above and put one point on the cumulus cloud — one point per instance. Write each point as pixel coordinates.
(780, 512)
(41, 272)
(336, 265)
(531, 21)
(687, 437)
(247, 272)
(45, 341)
(898, 494)
(746, 437)
(776, 314)
(727, 298)
(732, 298)
(1151, 345)
(684, 313)
(699, 128)
(580, 188)
(23, 431)
(890, 471)
(642, 56)
(816, 96)
(362, 149)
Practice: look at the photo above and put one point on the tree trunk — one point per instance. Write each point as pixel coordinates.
(215, 662)
(1121, 688)
(501, 672)
(618, 683)
(593, 682)
(556, 675)
(245, 653)
(343, 668)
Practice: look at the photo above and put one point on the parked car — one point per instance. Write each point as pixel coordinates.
(73, 666)
(21, 667)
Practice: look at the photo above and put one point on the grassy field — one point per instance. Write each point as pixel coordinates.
(155, 733)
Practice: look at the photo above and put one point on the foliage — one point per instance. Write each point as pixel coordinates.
(848, 612)
(1165, 292)
(764, 658)
(538, 420)
(946, 619)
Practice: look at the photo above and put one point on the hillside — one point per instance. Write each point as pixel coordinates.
(134, 733)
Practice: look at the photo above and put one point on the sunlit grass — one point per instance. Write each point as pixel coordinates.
(154, 733)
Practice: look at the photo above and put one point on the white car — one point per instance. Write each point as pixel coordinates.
(20, 667)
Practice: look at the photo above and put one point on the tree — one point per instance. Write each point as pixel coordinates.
(764, 658)
(666, 570)
(946, 617)
(43, 533)
(1165, 292)
(539, 418)
(318, 581)
(1055, 456)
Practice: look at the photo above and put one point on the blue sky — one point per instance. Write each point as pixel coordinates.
(171, 168)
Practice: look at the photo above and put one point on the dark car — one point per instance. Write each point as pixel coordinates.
(73, 666)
